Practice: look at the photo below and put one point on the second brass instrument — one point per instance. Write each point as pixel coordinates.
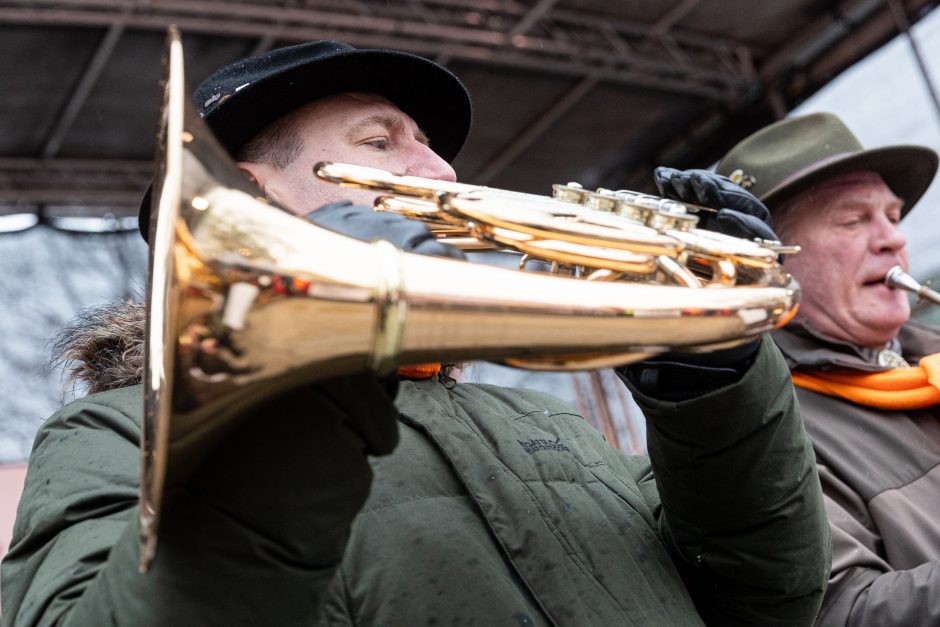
(897, 278)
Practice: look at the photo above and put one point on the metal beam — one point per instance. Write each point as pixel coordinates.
(533, 131)
(43, 195)
(385, 18)
(786, 77)
(123, 167)
(904, 25)
(530, 18)
(672, 17)
(80, 94)
(815, 39)
(264, 44)
(74, 181)
(569, 44)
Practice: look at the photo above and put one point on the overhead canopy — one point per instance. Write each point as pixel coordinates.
(592, 91)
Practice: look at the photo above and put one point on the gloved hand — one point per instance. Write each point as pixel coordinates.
(367, 224)
(740, 213)
(676, 376)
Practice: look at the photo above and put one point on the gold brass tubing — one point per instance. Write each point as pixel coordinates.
(392, 310)
(364, 177)
(678, 272)
(724, 272)
(554, 220)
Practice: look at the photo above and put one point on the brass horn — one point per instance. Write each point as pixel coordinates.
(247, 300)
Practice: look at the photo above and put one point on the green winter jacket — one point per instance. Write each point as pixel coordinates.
(499, 507)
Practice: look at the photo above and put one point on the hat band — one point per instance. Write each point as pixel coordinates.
(793, 176)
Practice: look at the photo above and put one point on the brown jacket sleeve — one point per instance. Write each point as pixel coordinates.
(863, 588)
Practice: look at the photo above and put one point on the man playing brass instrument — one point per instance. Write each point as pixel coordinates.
(458, 504)
(866, 377)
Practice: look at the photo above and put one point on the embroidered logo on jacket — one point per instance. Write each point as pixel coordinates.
(533, 446)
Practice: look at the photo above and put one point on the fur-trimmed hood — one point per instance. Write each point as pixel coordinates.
(102, 348)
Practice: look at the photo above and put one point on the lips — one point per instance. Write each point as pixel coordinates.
(877, 278)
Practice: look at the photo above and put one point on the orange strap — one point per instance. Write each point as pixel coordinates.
(901, 388)
(419, 371)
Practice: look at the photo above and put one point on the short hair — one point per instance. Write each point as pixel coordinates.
(278, 145)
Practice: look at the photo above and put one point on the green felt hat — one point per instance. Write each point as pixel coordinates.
(781, 160)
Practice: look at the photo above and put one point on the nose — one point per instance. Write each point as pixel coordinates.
(888, 237)
(426, 163)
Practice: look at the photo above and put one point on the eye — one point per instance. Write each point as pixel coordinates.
(379, 143)
(851, 219)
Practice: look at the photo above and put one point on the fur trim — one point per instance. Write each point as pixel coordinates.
(103, 346)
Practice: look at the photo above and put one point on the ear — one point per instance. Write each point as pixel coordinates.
(263, 176)
(254, 172)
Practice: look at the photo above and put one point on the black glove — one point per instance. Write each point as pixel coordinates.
(676, 376)
(367, 224)
(740, 213)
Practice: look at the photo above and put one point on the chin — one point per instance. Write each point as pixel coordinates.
(880, 332)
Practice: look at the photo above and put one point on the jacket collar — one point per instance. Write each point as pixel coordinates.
(806, 348)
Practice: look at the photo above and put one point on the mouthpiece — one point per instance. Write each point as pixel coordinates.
(896, 278)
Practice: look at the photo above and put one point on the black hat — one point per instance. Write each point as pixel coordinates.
(241, 99)
(781, 160)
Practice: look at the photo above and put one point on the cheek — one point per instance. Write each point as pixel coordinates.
(823, 271)
(300, 191)
(806, 264)
(825, 286)
(842, 256)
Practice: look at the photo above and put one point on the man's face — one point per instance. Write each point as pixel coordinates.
(361, 129)
(848, 230)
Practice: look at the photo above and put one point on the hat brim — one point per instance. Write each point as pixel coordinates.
(907, 170)
(431, 95)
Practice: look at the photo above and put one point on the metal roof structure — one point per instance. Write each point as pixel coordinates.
(593, 91)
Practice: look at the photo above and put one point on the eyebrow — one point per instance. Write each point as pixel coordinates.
(390, 123)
